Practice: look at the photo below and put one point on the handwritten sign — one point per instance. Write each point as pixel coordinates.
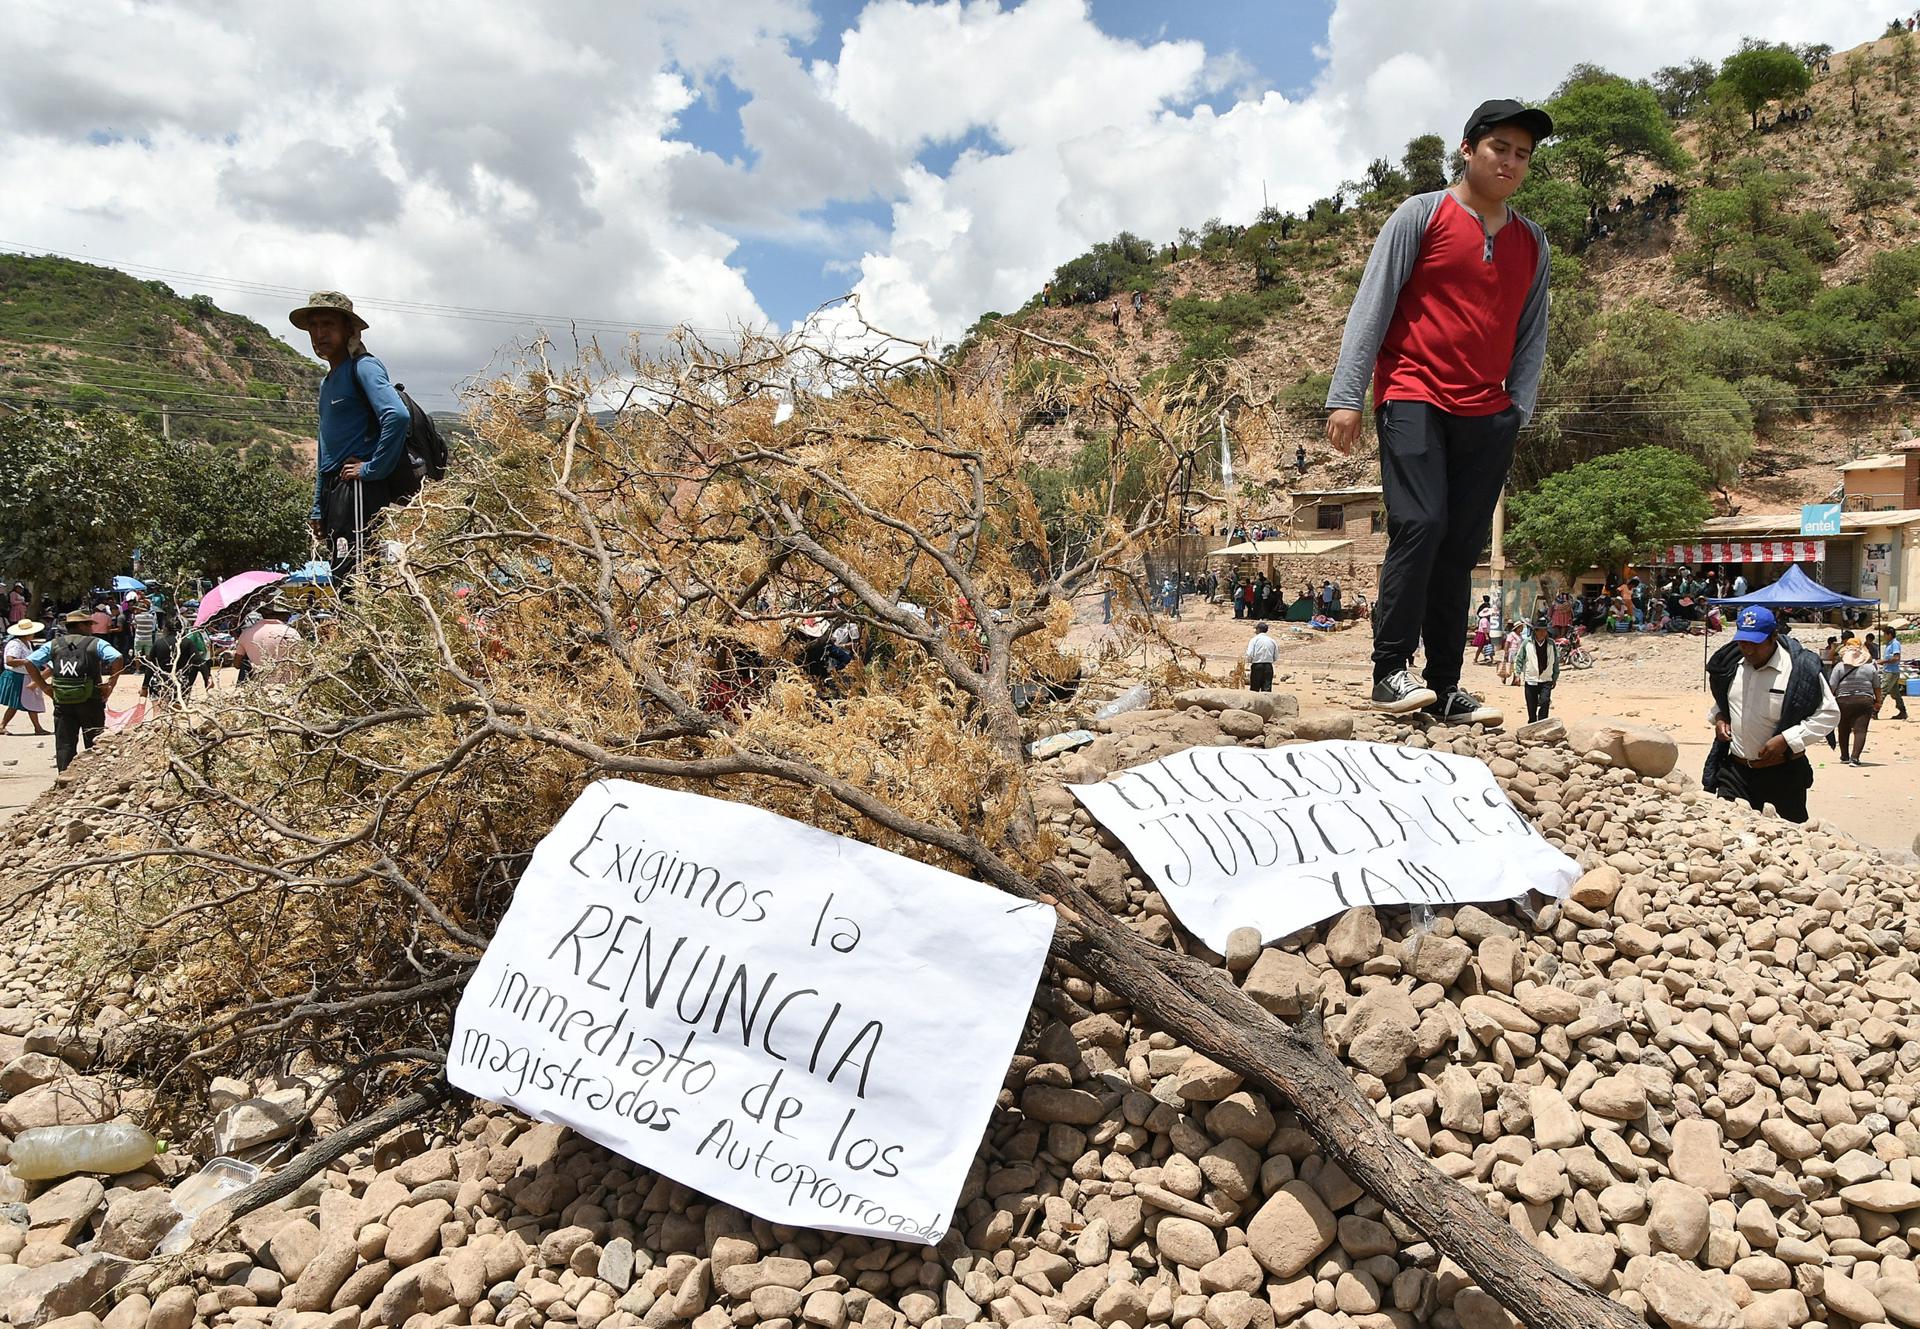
(801, 1025)
(1279, 838)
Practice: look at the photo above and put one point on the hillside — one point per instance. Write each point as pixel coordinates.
(86, 336)
(1764, 321)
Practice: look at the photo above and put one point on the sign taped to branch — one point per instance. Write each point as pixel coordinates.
(798, 1024)
(1280, 838)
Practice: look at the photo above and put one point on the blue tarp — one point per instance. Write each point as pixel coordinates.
(126, 583)
(316, 573)
(1796, 590)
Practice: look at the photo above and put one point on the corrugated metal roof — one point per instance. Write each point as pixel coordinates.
(1788, 523)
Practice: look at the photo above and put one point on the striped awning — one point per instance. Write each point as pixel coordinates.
(1750, 551)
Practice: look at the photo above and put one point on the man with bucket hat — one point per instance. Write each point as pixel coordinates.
(78, 671)
(1449, 327)
(1770, 700)
(363, 430)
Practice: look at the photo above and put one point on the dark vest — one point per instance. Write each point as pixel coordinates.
(1805, 688)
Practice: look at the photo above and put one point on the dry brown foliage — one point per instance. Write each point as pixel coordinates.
(621, 580)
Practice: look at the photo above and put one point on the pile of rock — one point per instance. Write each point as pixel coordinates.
(1692, 1084)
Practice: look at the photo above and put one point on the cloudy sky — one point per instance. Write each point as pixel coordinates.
(461, 165)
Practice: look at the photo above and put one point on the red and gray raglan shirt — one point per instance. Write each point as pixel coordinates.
(1446, 316)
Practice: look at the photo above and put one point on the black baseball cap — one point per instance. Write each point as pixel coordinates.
(1503, 111)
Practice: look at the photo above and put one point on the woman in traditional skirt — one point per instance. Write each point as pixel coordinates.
(18, 691)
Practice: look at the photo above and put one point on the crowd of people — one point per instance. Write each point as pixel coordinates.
(67, 662)
(1322, 607)
(1628, 215)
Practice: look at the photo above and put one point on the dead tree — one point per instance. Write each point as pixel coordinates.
(631, 594)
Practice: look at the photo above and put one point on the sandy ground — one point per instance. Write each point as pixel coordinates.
(26, 760)
(1656, 680)
(1653, 680)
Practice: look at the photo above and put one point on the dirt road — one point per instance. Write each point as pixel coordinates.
(1654, 680)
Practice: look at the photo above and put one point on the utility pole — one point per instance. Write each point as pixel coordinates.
(1497, 559)
(1226, 476)
(166, 426)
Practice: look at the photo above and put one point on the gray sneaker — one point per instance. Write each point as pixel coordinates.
(1402, 692)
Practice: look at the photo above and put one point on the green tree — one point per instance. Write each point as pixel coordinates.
(1757, 74)
(215, 513)
(77, 489)
(1608, 512)
(1600, 123)
(1382, 181)
(1425, 163)
(1856, 70)
(1721, 133)
(1887, 179)
(1902, 60)
(1122, 263)
(1682, 88)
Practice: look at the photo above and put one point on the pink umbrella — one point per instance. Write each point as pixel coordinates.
(232, 591)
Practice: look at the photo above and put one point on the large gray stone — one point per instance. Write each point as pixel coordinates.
(257, 1121)
(1291, 1230)
(61, 1213)
(1266, 705)
(1640, 748)
(136, 1222)
(65, 1287)
(72, 1100)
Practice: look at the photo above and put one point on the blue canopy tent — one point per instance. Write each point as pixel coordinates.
(1794, 590)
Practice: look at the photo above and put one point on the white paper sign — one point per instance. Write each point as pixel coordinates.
(801, 1025)
(1278, 838)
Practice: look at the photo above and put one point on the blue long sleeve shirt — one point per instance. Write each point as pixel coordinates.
(349, 430)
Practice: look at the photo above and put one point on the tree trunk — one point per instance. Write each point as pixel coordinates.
(1198, 1004)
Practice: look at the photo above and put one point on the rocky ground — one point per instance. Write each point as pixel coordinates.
(1691, 1083)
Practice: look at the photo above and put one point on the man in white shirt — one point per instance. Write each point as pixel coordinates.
(1770, 701)
(1262, 651)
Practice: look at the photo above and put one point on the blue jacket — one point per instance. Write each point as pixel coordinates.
(348, 430)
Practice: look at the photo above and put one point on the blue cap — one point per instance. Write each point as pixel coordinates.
(1756, 624)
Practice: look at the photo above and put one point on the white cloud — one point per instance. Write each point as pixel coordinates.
(493, 155)
(1097, 140)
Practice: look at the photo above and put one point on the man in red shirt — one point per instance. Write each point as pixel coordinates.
(1450, 324)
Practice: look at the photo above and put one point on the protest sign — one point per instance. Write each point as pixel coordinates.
(804, 1026)
(1278, 838)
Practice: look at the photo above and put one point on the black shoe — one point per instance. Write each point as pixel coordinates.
(1462, 707)
(1402, 692)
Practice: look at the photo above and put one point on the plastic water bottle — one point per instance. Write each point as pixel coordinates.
(45, 1152)
(1131, 700)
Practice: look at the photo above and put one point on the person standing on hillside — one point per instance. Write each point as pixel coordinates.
(1770, 700)
(1450, 323)
(363, 430)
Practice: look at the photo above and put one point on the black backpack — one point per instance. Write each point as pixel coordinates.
(76, 669)
(426, 457)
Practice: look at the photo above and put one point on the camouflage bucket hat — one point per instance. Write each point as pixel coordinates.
(302, 317)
